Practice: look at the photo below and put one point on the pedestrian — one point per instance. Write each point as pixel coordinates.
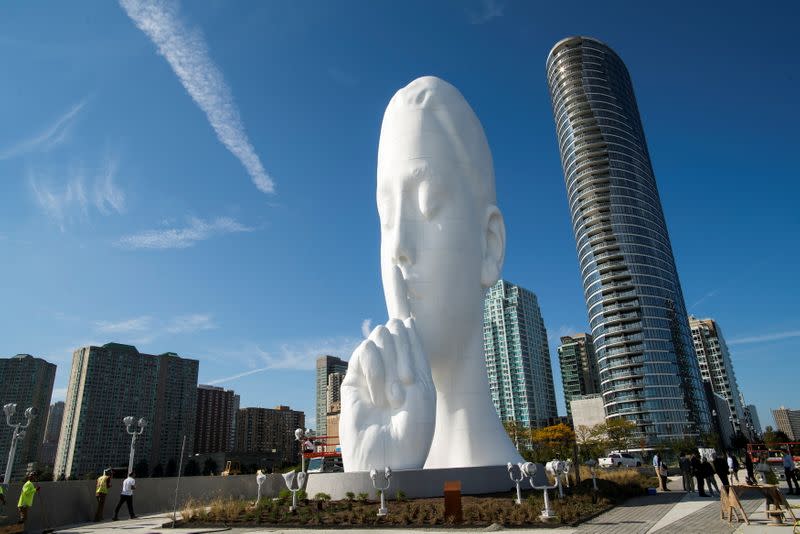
(748, 467)
(101, 492)
(708, 475)
(733, 466)
(789, 470)
(657, 468)
(29, 489)
(126, 496)
(720, 465)
(686, 472)
(697, 471)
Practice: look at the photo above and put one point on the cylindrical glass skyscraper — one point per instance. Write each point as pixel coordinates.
(648, 368)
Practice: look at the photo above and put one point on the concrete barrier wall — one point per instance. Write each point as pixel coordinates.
(70, 502)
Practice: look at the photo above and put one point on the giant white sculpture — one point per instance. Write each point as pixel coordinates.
(416, 392)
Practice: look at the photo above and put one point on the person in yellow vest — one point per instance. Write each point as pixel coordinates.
(103, 483)
(2, 495)
(29, 489)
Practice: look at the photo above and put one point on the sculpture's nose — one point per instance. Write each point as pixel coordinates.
(402, 248)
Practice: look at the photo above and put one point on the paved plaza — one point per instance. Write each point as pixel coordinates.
(674, 512)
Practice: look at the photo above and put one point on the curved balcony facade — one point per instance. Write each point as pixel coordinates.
(648, 368)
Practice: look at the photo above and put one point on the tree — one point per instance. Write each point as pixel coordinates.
(209, 467)
(158, 470)
(590, 441)
(172, 468)
(772, 437)
(618, 433)
(517, 432)
(551, 442)
(192, 468)
(141, 469)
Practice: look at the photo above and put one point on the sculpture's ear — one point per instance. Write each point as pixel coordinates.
(494, 246)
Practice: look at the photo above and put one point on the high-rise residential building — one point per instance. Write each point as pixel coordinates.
(788, 421)
(751, 414)
(648, 369)
(28, 382)
(215, 427)
(578, 368)
(55, 416)
(716, 366)
(333, 390)
(265, 430)
(326, 365)
(517, 356)
(233, 414)
(111, 382)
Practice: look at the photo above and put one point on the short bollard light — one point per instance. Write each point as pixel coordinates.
(567, 471)
(295, 482)
(556, 469)
(260, 478)
(512, 469)
(592, 465)
(529, 469)
(387, 474)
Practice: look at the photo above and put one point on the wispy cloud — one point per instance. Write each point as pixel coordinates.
(127, 326)
(52, 136)
(366, 327)
(776, 336)
(190, 323)
(65, 199)
(145, 329)
(703, 299)
(489, 9)
(171, 238)
(298, 356)
(186, 52)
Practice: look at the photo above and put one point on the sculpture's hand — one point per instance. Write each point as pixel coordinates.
(388, 398)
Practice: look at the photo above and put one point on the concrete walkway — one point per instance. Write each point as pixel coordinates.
(665, 513)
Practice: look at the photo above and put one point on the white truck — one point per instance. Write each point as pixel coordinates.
(620, 459)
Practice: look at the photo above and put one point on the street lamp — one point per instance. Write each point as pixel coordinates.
(129, 421)
(19, 433)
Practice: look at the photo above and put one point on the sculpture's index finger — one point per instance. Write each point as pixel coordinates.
(401, 294)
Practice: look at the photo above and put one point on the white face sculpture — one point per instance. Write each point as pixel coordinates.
(439, 223)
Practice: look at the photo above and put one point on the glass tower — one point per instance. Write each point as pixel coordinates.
(648, 369)
(578, 368)
(517, 356)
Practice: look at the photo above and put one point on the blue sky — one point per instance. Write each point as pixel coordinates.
(200, 178)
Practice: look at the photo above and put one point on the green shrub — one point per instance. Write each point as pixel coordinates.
(401, 496)
(322, 497)
(284, 496)
(350, 495)
(363, 497)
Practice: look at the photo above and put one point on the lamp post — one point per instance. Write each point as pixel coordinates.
(19, 433)
(129, 421)
(387, 474)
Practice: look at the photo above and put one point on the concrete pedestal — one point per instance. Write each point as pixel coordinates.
(418, 483)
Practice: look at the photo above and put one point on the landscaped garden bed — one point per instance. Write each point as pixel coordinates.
(580, 504)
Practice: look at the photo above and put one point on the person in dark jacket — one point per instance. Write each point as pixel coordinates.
(697, 471)
(748, 467)
(708, 475)
(721, 467)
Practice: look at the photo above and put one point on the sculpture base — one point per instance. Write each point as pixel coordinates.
(417, 483)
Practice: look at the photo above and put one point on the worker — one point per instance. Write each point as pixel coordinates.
(101, 492)
(29, 489)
